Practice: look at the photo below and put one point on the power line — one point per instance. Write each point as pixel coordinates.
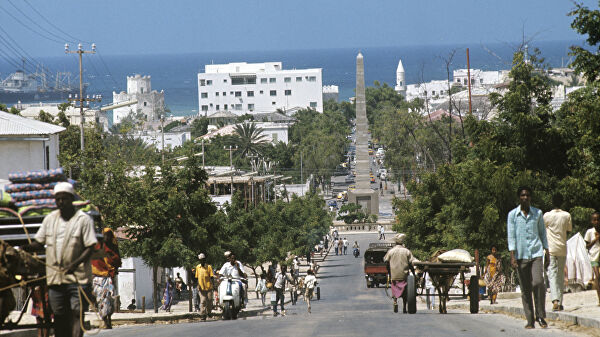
(51, 24)
(108, 70)
(29, 28)
(35, 23)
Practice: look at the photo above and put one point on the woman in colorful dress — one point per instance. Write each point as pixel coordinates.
(168, 295)
(104, 268)
(493, 275)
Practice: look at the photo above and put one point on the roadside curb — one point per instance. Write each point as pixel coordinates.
(555, 316)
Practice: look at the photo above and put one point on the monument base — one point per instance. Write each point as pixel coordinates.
(367, 199)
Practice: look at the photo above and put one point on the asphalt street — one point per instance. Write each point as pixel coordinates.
(348, 308)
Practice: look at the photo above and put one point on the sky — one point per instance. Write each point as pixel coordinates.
(41, 27)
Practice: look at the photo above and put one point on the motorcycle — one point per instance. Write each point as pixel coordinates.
(230, 300)
(356, 252)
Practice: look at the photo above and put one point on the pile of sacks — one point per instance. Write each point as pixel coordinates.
(31, 193)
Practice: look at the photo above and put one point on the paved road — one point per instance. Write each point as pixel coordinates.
(348, 308)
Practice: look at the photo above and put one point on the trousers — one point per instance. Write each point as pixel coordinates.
(556, 277)
(206, 301)
(531, 278)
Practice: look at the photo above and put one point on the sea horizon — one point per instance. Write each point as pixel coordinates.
(176, 73)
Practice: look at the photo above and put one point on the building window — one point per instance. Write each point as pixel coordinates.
(299, 79)
(224, 93)
(288, 92)
(481, 80)
(211, 104)
(238, 94)
(273, 92)
(273, 103)
(205, 108)
(47, 157)
(458, 80)
(225, 81)
(272, 80)
(145, 103)
(250, 93)
(262, 92)
(225, 106)
(203, 95)
(433, 92)
(231, 92)
(313, 104)
(274, 137)
(217, 93)
(238, 107)
(217, 107)
(287, 79)
(251, 107)
(312, 79)
(208, 82)
(202, 83)
(263, 80)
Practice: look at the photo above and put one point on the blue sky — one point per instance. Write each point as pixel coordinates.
(188, 26)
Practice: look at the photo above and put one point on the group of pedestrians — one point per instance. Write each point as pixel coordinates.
(340, 245)
(538, 241)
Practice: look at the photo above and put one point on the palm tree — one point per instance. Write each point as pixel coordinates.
(249, 139)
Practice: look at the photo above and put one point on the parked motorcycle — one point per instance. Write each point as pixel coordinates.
(229, 297)
(356, 252)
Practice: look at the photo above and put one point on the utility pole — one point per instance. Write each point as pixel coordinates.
(301, 176)
(81, 100)
(162, 131)
(231, 149)
(203, 153)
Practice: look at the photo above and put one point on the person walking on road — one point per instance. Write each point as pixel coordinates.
(261, 288)
(399, 261)
(69, 237)
(310, 281)
(528, 244)
(592, 240)
(493, 275)
(104, 269)
(335, 246)
(558, 223)
(381, 232)
(346, 243)
(205, 276)
(340, 246)
(280, 280)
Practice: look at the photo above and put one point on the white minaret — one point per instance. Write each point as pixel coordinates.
(400, 83)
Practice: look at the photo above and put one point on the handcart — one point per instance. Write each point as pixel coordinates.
(443, 275)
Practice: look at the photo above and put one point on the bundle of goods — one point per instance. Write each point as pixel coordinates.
(31, 193)
(456, 255)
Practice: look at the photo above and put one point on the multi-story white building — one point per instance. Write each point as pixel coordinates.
(149, 102)
(258, 87)
(479, 78)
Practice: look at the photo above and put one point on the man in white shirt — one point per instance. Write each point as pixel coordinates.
(558, 223)
(592, 240)
(346, 246)
(235, 270)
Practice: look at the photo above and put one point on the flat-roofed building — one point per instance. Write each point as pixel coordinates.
(257, 88)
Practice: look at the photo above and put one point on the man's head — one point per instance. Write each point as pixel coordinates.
(399, 238)
(524, 194)
(595, 220)
(64, 194)
(557, 200)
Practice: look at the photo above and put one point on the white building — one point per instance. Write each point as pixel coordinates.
(172, 139)
(331, 92)
(90, 116)
(400, 81)
(150, 102)
(258, 87)
(134, 281)
(27, 144)
(479, 78)
(432, 91)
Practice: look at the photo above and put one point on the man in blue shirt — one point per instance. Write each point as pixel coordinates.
(528, 244)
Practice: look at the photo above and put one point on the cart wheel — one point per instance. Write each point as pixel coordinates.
(368, 284)
(474, 294)
(411, 294)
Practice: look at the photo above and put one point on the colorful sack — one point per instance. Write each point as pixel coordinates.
(41, 194)
(36, 202)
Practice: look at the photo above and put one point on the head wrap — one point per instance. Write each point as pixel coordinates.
(227, 253)
(399, 238)
(64, 187)
(201, 256)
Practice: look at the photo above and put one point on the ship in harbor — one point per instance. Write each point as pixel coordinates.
(24, 87)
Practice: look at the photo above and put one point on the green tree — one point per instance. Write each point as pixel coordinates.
(199, 127)
(586, 22)
(249, 139)
(45, 117)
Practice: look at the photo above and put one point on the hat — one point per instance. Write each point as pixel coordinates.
(64, 187)
(201, 256)
(399, 238)
(227, 253)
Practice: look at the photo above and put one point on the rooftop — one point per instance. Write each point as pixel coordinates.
(19, 126)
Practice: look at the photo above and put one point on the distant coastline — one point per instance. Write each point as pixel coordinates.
(176, 73)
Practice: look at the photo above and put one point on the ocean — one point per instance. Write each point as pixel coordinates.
(176, 74)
